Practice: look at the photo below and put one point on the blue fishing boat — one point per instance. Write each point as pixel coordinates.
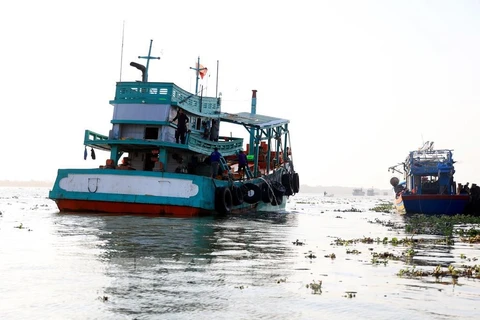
(156, 166)
(428, 186)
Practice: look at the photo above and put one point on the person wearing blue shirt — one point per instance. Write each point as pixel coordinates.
(242, 163)
(215, 161)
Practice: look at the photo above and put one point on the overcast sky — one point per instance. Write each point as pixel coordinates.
(362, 82)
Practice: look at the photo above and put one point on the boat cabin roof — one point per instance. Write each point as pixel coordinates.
(253, 120)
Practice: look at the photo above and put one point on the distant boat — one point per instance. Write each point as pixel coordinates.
(429, 186)
(370, 192)
(326, 194)
(358, 192)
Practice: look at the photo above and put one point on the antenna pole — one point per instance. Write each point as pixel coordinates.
(148, 60)
(216, 86)
(121, 51)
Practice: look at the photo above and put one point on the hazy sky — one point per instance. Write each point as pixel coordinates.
(363, 82)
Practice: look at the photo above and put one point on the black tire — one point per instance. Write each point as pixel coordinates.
(295, 183)
(223, 200)
(287, 183)
(237, 195)
(277, 200)
(278, 189)
(252, 193)
(267, 193)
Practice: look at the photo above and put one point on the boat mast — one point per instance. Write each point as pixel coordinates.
(253, 111)
(197, 73)
(148, 61)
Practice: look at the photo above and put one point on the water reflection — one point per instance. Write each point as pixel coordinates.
(185, 265)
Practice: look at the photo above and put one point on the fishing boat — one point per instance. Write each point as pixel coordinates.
(156, 166)
(358, 192)
(428, 186)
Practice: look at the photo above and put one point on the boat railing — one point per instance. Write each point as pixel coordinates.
(164, 93)
(226, 145)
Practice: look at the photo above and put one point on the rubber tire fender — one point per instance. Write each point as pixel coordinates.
(267, 193)
(277, 200)
(252, 194)
(295, 183)
(278, 189)
(237, 195)
(223, 200)
(287, 183)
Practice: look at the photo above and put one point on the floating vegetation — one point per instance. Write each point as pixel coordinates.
(439, 272)
(354, 251)
(352, 209)
(376, 261)
(385, 207)
(298, 243)
(385, 256)
(475, 239)
(389, 224)
(240, 287)
(21, 226)
(310, 255)
(315, 286)
(281, 280)
(331, 256)
(442, 225)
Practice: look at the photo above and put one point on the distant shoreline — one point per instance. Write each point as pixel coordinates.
(8, 183)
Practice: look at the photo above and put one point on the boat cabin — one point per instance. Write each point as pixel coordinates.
(430, 172)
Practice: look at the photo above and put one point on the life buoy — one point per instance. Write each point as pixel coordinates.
(287, 183)
(223, 200)
(252, 193)
(295, 183)
(237, 195)
(267, 193)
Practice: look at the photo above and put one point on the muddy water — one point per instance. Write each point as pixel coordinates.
(59, 266)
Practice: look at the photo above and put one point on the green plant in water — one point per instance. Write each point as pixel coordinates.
(315, 286)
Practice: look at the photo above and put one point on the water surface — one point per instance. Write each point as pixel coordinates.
(71, 266)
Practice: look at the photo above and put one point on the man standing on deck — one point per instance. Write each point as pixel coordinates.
(215, 161)
(181, 126)
(242, 163)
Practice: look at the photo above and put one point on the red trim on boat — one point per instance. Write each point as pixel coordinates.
(83, 206)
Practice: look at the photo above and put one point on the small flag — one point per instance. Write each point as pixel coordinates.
(92, 153)
(85, 153)
(202, 71)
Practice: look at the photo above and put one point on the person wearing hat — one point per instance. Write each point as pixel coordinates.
(215, 161)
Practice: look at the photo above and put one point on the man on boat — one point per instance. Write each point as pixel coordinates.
(214, 131)
(181, 126)
(215, 161)
(242, 163)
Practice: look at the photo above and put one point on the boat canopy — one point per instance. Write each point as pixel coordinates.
(253, 120)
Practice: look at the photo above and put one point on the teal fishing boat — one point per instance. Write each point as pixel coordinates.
(160, 156)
